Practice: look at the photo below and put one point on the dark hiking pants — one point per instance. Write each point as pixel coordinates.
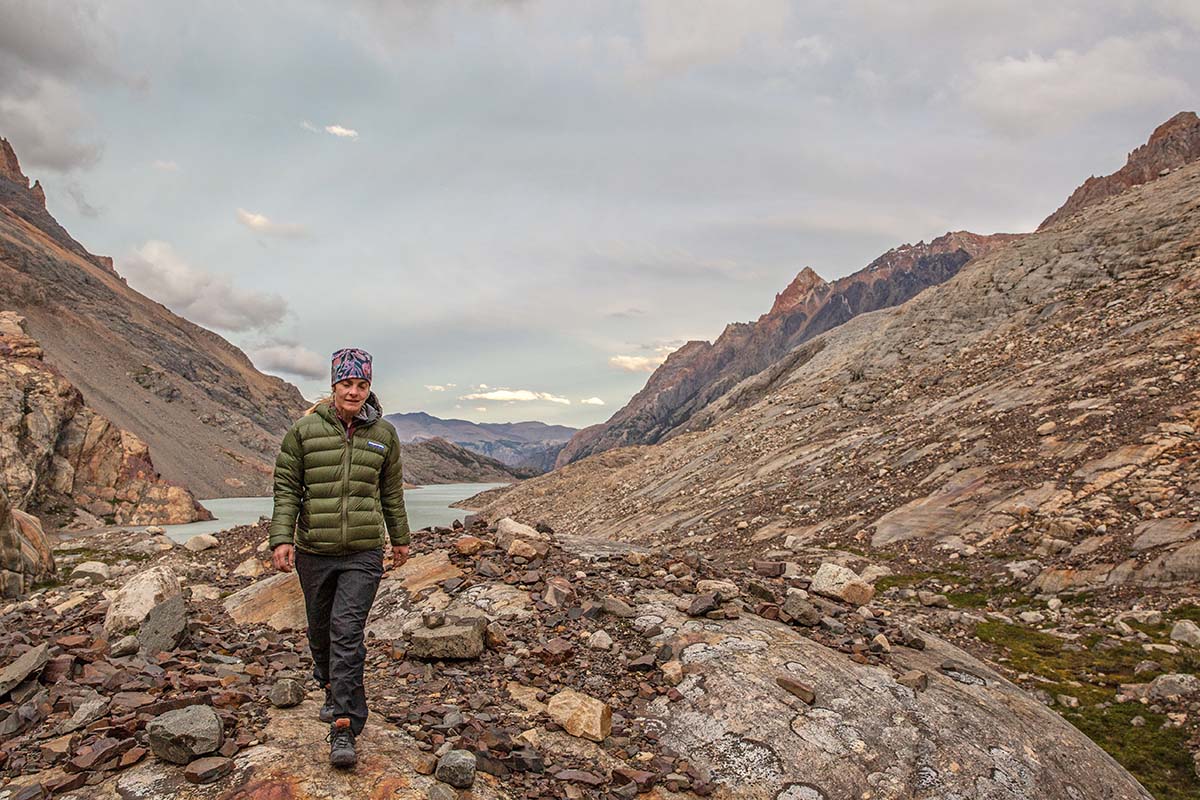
(338, 593)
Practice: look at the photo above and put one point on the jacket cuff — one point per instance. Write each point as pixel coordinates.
(277, 538)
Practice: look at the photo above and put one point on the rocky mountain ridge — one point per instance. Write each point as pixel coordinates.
(213, 421)
(436, 460)
(1172, 145)
(530, 445)
(678, 392)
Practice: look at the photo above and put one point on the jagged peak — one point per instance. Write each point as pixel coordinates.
(802, 286)
(10, 167)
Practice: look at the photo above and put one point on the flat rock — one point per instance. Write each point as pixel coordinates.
(92, 571)
(277, 601)
(208, 769)
(163, 626)
(581, 715)
(28, 663)
(453, 641)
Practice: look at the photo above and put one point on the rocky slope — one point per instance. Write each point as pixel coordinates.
(61, 457)
(1174, 143)
(695, 375)
(515, 663)
(212, 419)
(439, 461)
(531, 445)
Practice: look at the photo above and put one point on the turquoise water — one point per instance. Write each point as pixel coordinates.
(427, 505)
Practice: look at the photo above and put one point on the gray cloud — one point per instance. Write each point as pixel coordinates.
(75, 192)
(156, 270)
(291, 359)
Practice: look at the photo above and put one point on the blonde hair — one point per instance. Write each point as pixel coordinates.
(313, 408)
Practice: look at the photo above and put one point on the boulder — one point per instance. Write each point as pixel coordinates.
(92, 571)
(201, 542)
(277, 601)
(1174, 685)
(164, 626)
(137, 596)
(581, 715)
(461, 640)
(834, 580)
(1186, 632)
(185, 734)
(509, 529)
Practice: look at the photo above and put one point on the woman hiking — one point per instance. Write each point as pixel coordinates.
(338, 490)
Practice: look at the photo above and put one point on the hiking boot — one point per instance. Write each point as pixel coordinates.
(327, 709)
(341, 744)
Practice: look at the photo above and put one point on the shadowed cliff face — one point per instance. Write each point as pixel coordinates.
(699, 373)
(1173, 144)
(213, 421)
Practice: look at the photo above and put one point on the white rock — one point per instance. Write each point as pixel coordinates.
(92, 571)
(833, 580)
(600, 640)
(134, 600)
(252, 567)
(203, 591)
(202, 541)
(1186, 632)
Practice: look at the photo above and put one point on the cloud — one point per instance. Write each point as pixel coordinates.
(334, 130)
(261, 224)
(436, 387)
(46, 123)
(814, 49)
(1021, 95)
(678, 34)
(86, 209)
(156, 270)
(292, 359)
(481, 408)
(165, 166)
(515, 396)
(592, 401)
(643, 363)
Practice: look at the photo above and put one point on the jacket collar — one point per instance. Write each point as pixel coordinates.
(369, 414)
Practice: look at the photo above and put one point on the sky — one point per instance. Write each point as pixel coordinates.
(519, 208)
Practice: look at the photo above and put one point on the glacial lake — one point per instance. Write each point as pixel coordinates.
(426, 505)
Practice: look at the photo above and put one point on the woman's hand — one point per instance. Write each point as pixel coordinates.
(399, 555)
(284, 556)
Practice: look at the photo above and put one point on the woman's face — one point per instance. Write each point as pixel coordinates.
(350, 394)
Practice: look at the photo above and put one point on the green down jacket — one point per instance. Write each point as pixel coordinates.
(336, 490)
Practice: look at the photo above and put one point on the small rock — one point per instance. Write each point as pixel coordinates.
(802, 690)
(914, 679)
(618, 608)
(125, 646)
(287, 692)
(834, 580)
(456, 768)
(458, 641)
(581, 715)
(1046, 428)
(933, 600)
(600, 640)
(468, 545)
(207, 770)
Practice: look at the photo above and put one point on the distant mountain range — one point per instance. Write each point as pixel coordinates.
(439, 461)
(529, 445)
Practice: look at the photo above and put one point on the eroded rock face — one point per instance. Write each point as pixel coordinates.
(54, 449)
(25, 554)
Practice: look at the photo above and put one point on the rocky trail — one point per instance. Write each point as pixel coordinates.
(517, 663)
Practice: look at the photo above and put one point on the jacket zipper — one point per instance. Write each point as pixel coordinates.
(346, 459)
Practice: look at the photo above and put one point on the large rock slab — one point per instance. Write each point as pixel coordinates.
(138, 596)
(277, 601)
(28, 663)
(969, 734)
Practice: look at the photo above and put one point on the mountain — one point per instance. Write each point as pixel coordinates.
(532, 445)
(439, 461)
(932, 420)
(212, 420)
(698, 373)
(1174, 143)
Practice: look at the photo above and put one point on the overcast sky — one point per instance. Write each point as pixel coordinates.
(520, 207)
